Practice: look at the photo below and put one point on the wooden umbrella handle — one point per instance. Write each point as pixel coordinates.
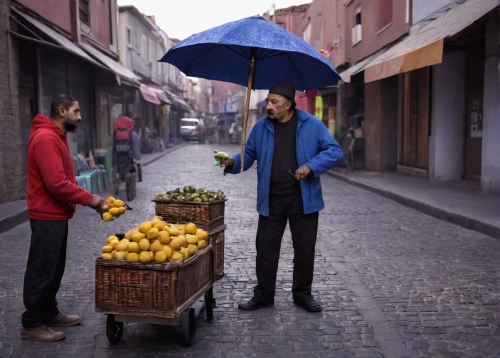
(251, 74)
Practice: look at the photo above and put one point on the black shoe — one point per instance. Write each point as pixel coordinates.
(252, 305)
(310, 305)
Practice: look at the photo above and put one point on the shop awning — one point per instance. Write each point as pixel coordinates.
(58, 38)
(149, 94)
(177, 100)
(360, 66)
(122, 73)
(424, 45)
(159, 93)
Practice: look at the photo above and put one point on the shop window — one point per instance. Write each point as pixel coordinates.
(84, 10)
(384, 14)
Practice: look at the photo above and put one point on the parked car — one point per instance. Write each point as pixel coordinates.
(190, 129)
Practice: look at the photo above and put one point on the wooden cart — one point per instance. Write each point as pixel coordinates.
(206, 216)
(155, 293)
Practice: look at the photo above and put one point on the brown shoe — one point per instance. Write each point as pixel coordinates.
(62, 320)
(42, 334)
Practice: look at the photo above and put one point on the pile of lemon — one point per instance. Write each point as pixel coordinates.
(156, 241)
(116, 209)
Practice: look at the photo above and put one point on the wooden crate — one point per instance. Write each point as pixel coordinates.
(216, 238)
(206, 216)
(152, 289)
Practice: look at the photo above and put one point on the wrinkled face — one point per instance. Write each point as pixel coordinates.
(277, 106)
(72, 116)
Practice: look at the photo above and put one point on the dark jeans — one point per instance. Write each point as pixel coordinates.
(44, 272)
(304, 229)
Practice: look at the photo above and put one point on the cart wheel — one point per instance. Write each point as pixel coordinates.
(130, 186)
(188, 327)
(114, 330)
(209, 304)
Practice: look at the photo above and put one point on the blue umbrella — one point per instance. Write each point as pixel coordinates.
(255, 53)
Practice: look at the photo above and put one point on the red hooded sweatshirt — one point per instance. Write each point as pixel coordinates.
(52, 191)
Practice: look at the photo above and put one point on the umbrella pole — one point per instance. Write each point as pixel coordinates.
(251, 74)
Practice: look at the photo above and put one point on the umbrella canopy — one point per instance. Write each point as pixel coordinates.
(223, 53)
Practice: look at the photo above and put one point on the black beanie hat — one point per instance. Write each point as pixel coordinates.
(285, 89)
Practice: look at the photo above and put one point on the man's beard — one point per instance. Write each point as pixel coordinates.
(69, 125)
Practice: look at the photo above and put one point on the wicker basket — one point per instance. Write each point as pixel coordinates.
(206, 216)
(152, 290)
(216, 238)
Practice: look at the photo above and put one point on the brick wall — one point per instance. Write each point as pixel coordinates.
(11, 159)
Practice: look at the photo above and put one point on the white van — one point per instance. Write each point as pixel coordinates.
(190, 130)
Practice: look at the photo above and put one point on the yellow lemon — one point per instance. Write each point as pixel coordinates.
(151, 256)
(129, 234)
(174, 231)
(184, 253)
(144, 244)
(133, 247)
(192, 239)
(114, 211)
(168, 250)
(145, 227)
(202, 244)
(190, 228)
(156, 246)
(183, 239)
(107, 249)
(192, 249)
(138, 236)
(118, 203)
(106, 256)
(114, 243)
(113, 254)
(144, 256)
(111, 238)
(164, 237)
(121, 255)
(156, 218)
(159, 225)
(152, 233)
(110, 200)
(160, 256)
(175, 244)
(121, 210)
(176, 256)
(122, 246)
(132, 257)
(201, 234)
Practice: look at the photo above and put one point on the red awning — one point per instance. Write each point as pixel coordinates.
(149, 94)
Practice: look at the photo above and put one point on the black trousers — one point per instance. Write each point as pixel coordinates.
(304, 229)
(44, 271)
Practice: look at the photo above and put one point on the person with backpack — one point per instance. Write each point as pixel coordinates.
(126, 146)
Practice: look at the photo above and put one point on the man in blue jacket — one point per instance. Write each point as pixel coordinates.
(292, 149)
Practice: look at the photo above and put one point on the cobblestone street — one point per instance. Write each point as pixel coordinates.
(393, 282)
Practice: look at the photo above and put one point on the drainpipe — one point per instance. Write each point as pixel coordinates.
(75, 20)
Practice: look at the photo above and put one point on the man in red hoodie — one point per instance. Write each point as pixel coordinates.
(52, 194)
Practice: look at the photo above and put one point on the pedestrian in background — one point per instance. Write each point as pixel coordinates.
(51, 194)
(292, 148)
(222, 134)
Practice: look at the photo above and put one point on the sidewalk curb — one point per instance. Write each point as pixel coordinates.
(21, 216)
(15, 219)
(442, 214)
(168, 151)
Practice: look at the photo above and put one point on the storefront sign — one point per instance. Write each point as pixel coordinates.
(318, 113)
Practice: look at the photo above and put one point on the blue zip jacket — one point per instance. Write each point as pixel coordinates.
(315, 147)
